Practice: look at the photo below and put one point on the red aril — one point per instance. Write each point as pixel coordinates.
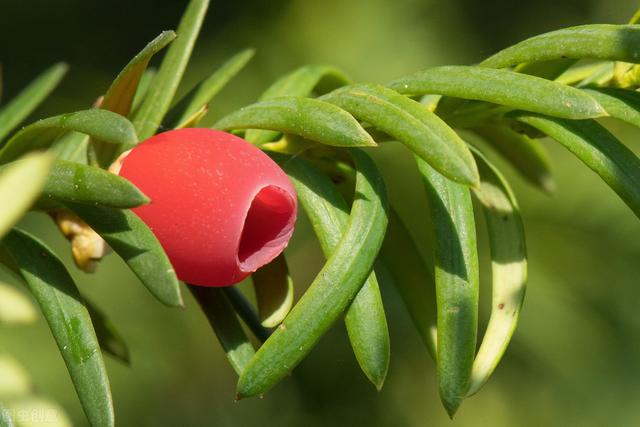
(220, 207)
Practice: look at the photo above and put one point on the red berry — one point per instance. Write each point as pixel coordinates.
(220, 207)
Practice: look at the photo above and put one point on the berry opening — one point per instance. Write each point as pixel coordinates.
(267, 228)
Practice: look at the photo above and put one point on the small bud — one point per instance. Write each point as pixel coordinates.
(87, 246)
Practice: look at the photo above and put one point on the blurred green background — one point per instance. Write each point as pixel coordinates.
(574, 358)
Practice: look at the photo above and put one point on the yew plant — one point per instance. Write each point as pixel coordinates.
(319, 127)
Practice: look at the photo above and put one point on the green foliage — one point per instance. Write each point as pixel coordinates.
(598, 149)
(325, 300)
(274, 289)
(401, 264)
(526, 154)
(163, 87)
(601, 41)
(21, 183)
(310, 120)
(621, 104)
(75, 182)
(70, 323)
(502, 87)
(409, 122)
(456, 281)
(100, 124)
(508, 268)
(109, 338)
(201, 95)
(130, 238)
(365, 319)
(226, 325)
(120, 95)
(247, 313)
(300, 83)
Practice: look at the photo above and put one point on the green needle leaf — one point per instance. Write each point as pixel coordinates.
(298, 83)
(310, 118)
(333, 289)
(274, 292)
(502, 87)
(99, 124)
(247, 313)
(74, 182)
(621, 104)
(130, 238)
(368, 332)
(224, 321)
(143, 87)
(509, 269)
(582, 73)
(68, 320)
(599, 41)
(412, 124)
(525, 154)
(164, 85)
(120, 95)
(12, 114)
(15, 307)
(109, 338)
(20, 185)
(598, 149)
(303, 81)
(456, 277)
(72, 147)
(193, 120)
(549, 70)
(412, 277)
(365, 318)
(206, 90)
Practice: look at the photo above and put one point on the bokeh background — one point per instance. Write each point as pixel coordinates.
(574, 358)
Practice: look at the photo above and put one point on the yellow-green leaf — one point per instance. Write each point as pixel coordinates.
(15, 307)
(411, 123)
(596, 41)
(301, 82)
(508, 269)
(274, 292)
(20, 184)
(331, 292)
(70, 323)
(224, 321)
(310, 118)
(99, 124)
